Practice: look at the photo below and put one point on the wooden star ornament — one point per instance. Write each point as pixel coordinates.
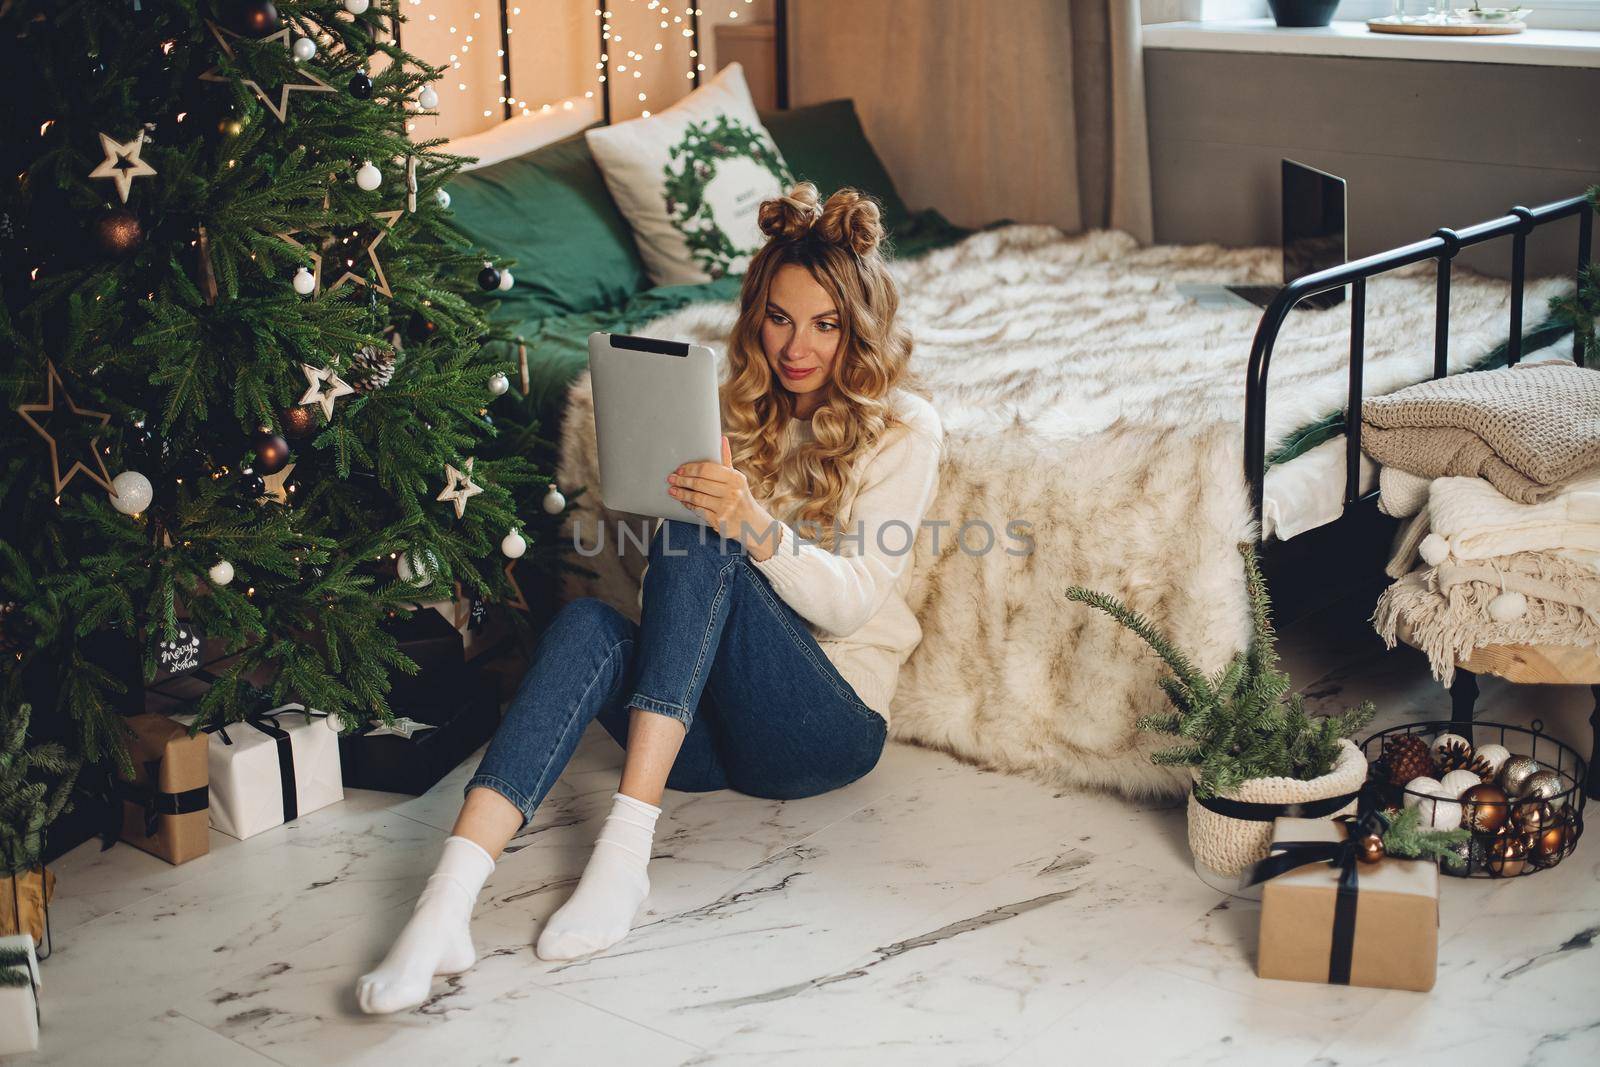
(458, 487)
(47, 408)
(388, 218)
(317, 394)
(277, 488)
(305, 81)
(122, 163)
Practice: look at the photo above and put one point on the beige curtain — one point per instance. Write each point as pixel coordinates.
(1025, 109)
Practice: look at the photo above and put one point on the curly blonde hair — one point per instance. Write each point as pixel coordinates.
(838, 242)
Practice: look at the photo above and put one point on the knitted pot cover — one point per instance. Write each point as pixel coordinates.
(1228, 845)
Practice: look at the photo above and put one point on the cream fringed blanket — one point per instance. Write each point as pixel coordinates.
(1080, 393)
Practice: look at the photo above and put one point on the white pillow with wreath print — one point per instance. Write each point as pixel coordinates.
(690, 179)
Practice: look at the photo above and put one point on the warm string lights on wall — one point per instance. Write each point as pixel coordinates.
(685, 22)
(622, 65)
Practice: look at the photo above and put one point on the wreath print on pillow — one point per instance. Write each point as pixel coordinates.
(718, 219)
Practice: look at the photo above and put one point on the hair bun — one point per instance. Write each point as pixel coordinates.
(790, 216)
(850, 218)
(853, 219)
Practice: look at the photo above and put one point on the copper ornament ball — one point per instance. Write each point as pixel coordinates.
(1369, 848)
(119, 232)
(1485, 808)
(297, 422)
(1552, 843)
(1531, 816)
(1507, 856)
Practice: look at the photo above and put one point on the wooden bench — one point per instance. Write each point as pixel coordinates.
(1527, 665)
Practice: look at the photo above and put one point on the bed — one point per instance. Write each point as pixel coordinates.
(1080, 394)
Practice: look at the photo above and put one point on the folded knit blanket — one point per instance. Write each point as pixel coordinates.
(1527, 598)
(1477, 521)
(1524, 428)
(1402, 494)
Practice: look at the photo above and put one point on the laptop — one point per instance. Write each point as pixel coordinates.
(1314, 238)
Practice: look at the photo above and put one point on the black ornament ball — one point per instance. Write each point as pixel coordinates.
(257, 17)
(360, 86)
(421, 328)
(272, 452)
(488, 278)
(252, 486)
(119, 232)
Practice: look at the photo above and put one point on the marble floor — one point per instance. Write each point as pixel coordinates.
(930, 913)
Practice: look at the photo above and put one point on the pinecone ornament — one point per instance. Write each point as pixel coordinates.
(1406, 756)
(371, 368)
(1463, 759)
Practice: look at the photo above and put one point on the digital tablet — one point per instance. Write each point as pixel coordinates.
(655, 408)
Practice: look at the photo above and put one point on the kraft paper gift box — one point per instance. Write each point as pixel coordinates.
(271, 769)
(19, 995)
(1366, 924)
(164, 806)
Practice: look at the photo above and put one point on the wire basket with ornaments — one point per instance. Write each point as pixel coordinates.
(1519, 790)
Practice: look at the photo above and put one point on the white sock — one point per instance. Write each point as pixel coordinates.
(438, 938)
(611, 891)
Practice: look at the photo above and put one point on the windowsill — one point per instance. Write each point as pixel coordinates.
(1533, 47)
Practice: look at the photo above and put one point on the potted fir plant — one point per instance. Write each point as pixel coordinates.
(28, 806)
(1253, 751)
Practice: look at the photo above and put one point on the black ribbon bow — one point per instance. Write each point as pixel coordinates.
(1344, 855)
(267, 723)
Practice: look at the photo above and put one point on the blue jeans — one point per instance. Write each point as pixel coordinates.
(717, 649)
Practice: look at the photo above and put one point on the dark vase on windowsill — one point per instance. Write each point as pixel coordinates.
(1303, 12)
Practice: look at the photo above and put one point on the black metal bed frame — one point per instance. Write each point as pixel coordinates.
(1443, 246)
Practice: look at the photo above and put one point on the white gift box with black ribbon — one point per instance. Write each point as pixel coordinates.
(270, 769)
(19, 996)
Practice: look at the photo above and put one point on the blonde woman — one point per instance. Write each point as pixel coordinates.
(763, 661)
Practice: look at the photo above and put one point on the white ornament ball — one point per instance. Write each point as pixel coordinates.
(1447, 742)
(305, 283)
(1420, 784)
(1434, 550)
(1508, 607)
(357, 7)
(554, 502)
(221, 572)
(304, 48)
(499, 384)
(1459, 781)
(506, 280)
(428, 99)
(131, 492)
(414, 568)
(369, 177)
(1440, 814)
(513, 545)
(1495, 756)
(442, 197)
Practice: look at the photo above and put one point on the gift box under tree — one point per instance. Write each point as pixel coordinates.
(164, 805)
(271, 769)
(441, 718)
(1336, 909)
(19, 995)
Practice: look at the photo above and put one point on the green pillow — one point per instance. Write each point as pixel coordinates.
(551, 212)
(825, 145)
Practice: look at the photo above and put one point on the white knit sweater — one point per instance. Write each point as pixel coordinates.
(854, 597)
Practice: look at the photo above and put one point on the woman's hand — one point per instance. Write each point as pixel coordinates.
(722, 497)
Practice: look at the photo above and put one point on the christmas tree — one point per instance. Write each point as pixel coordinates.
(247, 367)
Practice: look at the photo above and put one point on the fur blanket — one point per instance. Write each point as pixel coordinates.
(1081, 393)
